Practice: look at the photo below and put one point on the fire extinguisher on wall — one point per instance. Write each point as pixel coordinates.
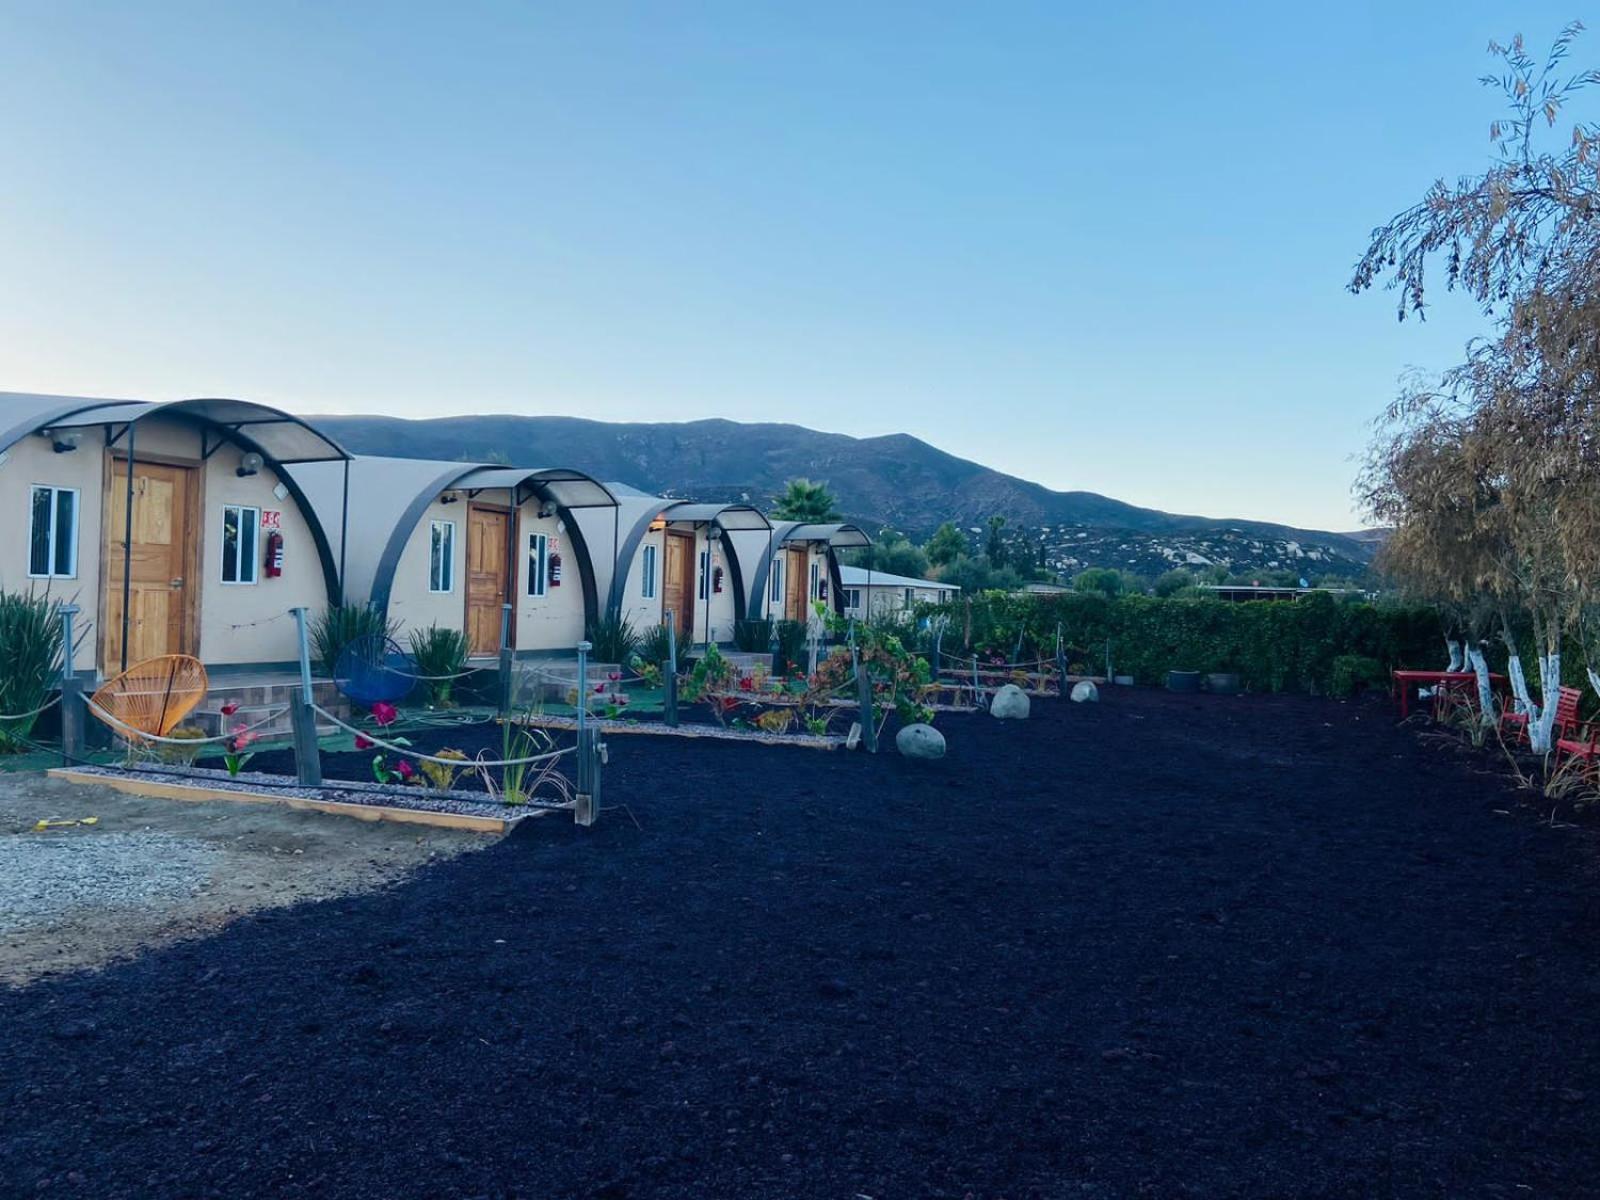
(274, 552)
(716, 580)
(555, 570)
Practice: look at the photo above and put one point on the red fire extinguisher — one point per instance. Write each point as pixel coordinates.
(274, 546)
(716, 580)
(555, 570)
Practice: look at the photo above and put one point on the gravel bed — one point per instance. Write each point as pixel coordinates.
(45, 873)
(461, 803)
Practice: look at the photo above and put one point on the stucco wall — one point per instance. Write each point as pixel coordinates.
(238, 624)
(411, 604)
(642, 612)
(554, 621)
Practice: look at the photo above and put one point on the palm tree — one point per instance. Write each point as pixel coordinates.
(806, 500)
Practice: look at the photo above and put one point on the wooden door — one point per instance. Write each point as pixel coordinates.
(677, 583)
(797, 585)
(488, 576)
(160, 566)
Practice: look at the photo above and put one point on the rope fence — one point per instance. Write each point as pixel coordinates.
(142, 736)
(406, 752)
(44, 708)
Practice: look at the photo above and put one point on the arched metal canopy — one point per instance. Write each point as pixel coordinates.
(387, 497)
(282, 439)
(837, 536)
(724, 518)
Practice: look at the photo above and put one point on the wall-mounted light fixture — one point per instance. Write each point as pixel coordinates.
(547, 509)
(249, 464)
(63, 441)
(449, 498)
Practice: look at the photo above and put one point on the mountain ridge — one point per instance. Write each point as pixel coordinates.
(894, 480)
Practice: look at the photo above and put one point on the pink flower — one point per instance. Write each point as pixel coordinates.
(614, 676)
(599, 688)
(242, 737)
(404, 769)
(363, 742)
(622, 699)
(385, 713)
(231, 707)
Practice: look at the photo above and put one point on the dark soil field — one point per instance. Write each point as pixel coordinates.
(1164, 946)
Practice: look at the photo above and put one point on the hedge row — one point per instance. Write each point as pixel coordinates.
(1314, 644)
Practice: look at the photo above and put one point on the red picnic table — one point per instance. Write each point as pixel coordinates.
(1405, 682)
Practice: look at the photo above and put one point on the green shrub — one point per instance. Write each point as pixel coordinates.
(439, 652)
(655, 645)
(792, 643)
(754, 635)
(31, 656)
(1352, 673)
(1274, 645)
(184, 756)
(612, 639)
(340, 624)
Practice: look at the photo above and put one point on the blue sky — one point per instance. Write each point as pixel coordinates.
(1102, 247)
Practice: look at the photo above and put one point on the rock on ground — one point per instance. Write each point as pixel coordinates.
(920, 741)
(1084, 690)
(1010, 703)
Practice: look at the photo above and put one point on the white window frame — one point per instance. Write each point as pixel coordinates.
(647, 580)
(253, 562)
(538, 565)
(852, 598)
(447, 561)
(53, 535)
(702, 587)
(816, 581)
(775, 594)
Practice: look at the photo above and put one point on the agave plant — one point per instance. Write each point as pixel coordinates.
(340, 624)
(31, 655)
(613, 639)
(439, 653)
(655, 646)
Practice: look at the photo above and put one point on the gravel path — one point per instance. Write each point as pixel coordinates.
(152, 871)
(44, 875)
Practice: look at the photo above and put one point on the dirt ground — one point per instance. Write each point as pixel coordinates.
(236, 859)
(1163, 946)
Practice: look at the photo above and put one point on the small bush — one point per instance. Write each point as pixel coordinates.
(754, 635)
(1353, 673)
(613, 639)
(439, 652)
(655, 646)
(340, 624)
(31, 656)
(792, 644)
(182, 756)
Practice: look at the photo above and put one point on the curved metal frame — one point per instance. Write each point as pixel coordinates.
(389, 561)
(636, 535)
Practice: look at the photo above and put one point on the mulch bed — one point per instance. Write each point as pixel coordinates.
(1161, 946)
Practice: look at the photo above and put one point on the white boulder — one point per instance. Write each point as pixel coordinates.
(920, 741)
(1083, 691)
(1010, 703)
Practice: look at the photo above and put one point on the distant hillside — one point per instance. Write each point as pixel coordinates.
(897, 480)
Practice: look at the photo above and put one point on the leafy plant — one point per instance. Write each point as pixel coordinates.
(181, 755)
(1351, 673)
(792, 643)
(806, 500)
(712, 673)
(654, 645)
(234, 756)
(340, 624)
(776, 720)
(439, 652)
(753, 635)
(613, 638)
(521, 781)
(31, 656)
(441, 776)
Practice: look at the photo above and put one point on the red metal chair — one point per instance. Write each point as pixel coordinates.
(1566, 723)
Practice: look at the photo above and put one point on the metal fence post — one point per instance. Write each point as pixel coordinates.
(506, 680)
(669, 714)
(1061, 663)
(72, 713)
(869, 719)
(307, 754)
(583, 804)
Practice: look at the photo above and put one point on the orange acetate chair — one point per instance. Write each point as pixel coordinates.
(154, 696)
